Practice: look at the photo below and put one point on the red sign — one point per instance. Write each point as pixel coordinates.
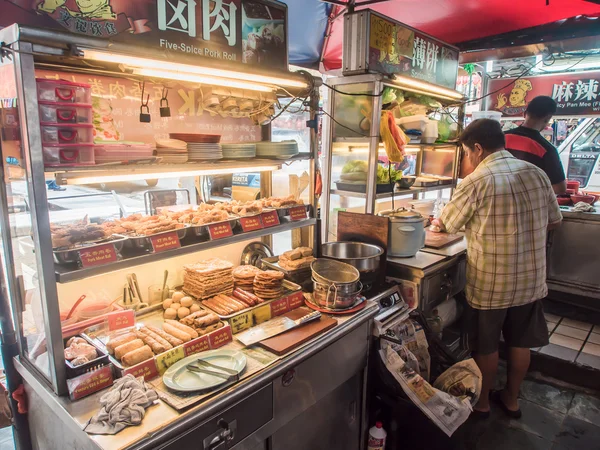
(165, 241)
(295, 300)
(270, 219)
(90, 382)
(146, 369)
(220, 337)
(279, 307)
(220, 230)
(121, 319)
(196, 345)
(575, 94)
(98, 255)
(298, 213)
(251, 223)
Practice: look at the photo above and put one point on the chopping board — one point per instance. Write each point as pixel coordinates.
(289, 340)
(439, 240)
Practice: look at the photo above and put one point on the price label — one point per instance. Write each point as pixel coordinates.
(220, 337)
(167, 359)
(270, 219)
(196, 345)
(166, 241)
(121, 319)
(279, 307)
(146, 369)
(251, 223)
(298, 213)
(241, 322)
(90, 382)
(295, 300)
(262, 314)
(100, 254)
(220, 230)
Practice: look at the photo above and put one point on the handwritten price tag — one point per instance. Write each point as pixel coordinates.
(279, 307)
(298, 213)
(220, 230)
(241, 322)
(262, 314)
(270, 219)
(196, 345)
(251, 223)
(295, 300)
(121, 319)
(165, 241)
(167, 359)
(220, 337)
(101, 254)
(146, 369)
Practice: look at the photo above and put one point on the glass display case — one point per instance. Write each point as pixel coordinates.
(358, 175)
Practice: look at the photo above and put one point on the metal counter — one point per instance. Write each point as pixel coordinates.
(328, 379)
(574, 257)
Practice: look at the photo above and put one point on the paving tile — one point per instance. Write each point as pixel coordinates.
(577, 324)
(589, 360)
(591, 349)
(565, 341)
(577, 434)
(538, 420)
(597, 329)
(557, 351)
(499, 438)
(571, 332)
(594, 338)
(552, 318)
(586, 407)
(547, 396)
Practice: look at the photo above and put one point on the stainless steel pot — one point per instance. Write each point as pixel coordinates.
(365, 257)
(406, 234)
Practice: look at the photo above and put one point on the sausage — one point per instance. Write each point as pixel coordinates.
(153, 343)
(243, 298)
(176, 332)
(248, 295)
(127, 347)
(166, 336)
(221, 304)
(162, 341)
(184, 328)
(218, 306)
(235, 301)
(236, 305)
(206, 320)
(137, 356)
(119, 340)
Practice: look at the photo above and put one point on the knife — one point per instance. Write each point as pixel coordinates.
(273, 328)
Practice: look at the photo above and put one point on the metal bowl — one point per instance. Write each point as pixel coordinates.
(364, 257)
(406, 181)
(332, 298)
(330, 271)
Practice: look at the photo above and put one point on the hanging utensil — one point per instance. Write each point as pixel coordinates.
(82, 298)
(136, 285)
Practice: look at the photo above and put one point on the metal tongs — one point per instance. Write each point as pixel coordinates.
(202, 366)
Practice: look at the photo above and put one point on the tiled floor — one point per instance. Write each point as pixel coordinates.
(6, 439)
(573, 340)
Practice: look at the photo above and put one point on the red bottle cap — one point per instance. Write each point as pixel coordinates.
(378, 424)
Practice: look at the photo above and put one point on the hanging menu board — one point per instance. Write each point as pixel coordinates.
(378, 44)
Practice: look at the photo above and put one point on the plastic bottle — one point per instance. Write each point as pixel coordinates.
(377, 437)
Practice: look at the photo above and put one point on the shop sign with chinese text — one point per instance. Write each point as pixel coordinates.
(239, 31)
(576, 94)
(395, 48)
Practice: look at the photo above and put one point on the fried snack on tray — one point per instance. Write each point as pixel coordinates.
(76, 233)
(208, 278)
(281, 202)
(139, 225)
(296, 259)
(267, 284)
(201, 322)
(243, 277)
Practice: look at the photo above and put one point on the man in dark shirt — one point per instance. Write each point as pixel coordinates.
(527, 143)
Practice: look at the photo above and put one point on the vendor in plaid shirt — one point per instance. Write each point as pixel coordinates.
(506, 206)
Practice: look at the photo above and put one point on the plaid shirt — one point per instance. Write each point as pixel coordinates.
(505, 205)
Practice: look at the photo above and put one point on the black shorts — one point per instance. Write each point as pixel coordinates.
(522, 326)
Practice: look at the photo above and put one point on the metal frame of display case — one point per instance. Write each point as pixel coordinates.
(377, 84)
(28, 47)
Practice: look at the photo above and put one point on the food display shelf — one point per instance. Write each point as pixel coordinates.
(65, 275)
(397, 193)
(367, 140)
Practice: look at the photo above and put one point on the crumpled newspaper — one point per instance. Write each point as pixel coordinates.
(124, 405)
(583, 207)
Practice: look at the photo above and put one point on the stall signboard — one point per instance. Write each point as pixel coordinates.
(576, 94)
(240, 31)
(395, 48)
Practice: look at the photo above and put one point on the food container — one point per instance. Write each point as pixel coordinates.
(63, 91)
(202, 230)
(75, 371)
(65, 256)
(300, 276)
(573, 185)
(285, 211)
(589, 199)
(406, 232)
(93, 309)
(57, 133)
(494, 115)
(423, 207)
(53, 112)
(564, 201)
(333, 298)
(145, 242)
(406, 181)
(382, 188)
(418, 122)
(430, 134)
(342, 276)
(122, 152)
(364, 257)
(68, 155)
(571, 191)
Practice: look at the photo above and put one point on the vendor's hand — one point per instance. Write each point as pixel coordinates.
(437, 226)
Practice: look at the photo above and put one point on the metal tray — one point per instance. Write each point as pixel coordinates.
(144, 242)
(71, 255)
(381, 188)
(288, 288)
(285, 211)
(202, 230)
(292, 275)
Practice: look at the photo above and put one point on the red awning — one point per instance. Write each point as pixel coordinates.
(457, 21)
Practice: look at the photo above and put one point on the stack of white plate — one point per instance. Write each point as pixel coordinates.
(277, 150)
(204, 152)
(239, 151)
(172, 151)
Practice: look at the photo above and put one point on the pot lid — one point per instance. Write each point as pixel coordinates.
(402, 213)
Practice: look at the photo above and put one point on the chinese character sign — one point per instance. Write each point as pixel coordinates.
(575, 94)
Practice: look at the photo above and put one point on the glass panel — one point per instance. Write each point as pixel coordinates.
(19, 253)
(589, 141)
(342, 203)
